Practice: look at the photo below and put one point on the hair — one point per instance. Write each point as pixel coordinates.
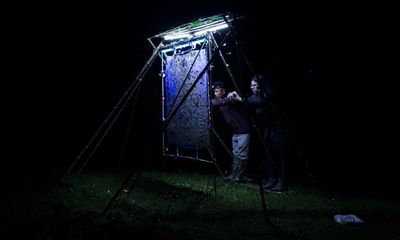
(258, 78)
(264, 83)
(219, 84)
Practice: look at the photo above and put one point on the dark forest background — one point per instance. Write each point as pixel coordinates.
(70, 65)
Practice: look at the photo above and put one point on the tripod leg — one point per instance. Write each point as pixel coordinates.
(116, 194)
(264, 205)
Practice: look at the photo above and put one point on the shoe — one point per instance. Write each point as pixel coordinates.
(240, 179)
(235, 180)
(228, 178)
(244, 179)
(280, 187)
(270, 183)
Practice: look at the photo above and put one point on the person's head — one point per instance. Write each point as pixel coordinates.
(219, 89)
(254, 86)
(256, 83)
(260, 83)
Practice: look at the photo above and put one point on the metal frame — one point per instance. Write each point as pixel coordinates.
(206, 45)
(201, 25)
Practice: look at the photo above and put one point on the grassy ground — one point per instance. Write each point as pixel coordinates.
(159, 205)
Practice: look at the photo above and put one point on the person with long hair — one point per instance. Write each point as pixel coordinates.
(275, 137)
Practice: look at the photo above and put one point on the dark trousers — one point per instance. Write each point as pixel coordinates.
(277, 151)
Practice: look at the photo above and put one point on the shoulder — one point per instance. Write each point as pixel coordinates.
(250, 97)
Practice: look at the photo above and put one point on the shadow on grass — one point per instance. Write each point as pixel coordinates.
(183, 207)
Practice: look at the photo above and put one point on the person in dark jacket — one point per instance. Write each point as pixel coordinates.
(274, 132)
(234, 113)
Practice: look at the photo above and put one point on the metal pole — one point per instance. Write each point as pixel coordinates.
(123, 100)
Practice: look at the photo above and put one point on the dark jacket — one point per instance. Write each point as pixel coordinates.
(265, 115)
(234, 113)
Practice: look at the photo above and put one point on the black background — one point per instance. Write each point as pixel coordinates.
(70, 65)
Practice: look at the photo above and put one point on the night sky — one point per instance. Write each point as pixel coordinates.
(85, 56)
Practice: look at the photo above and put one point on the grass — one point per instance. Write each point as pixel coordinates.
(159, 205)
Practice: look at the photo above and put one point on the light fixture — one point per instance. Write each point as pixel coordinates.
(212, 29)
(180, 46)
(177, 36)
(196, 28)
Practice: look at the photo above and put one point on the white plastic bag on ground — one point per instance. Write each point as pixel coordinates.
(349, 218)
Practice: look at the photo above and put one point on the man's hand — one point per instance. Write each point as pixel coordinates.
(234, 95)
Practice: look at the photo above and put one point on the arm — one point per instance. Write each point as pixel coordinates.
(235, 96)
(231, 98)
(221, 101)
(256, 101)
